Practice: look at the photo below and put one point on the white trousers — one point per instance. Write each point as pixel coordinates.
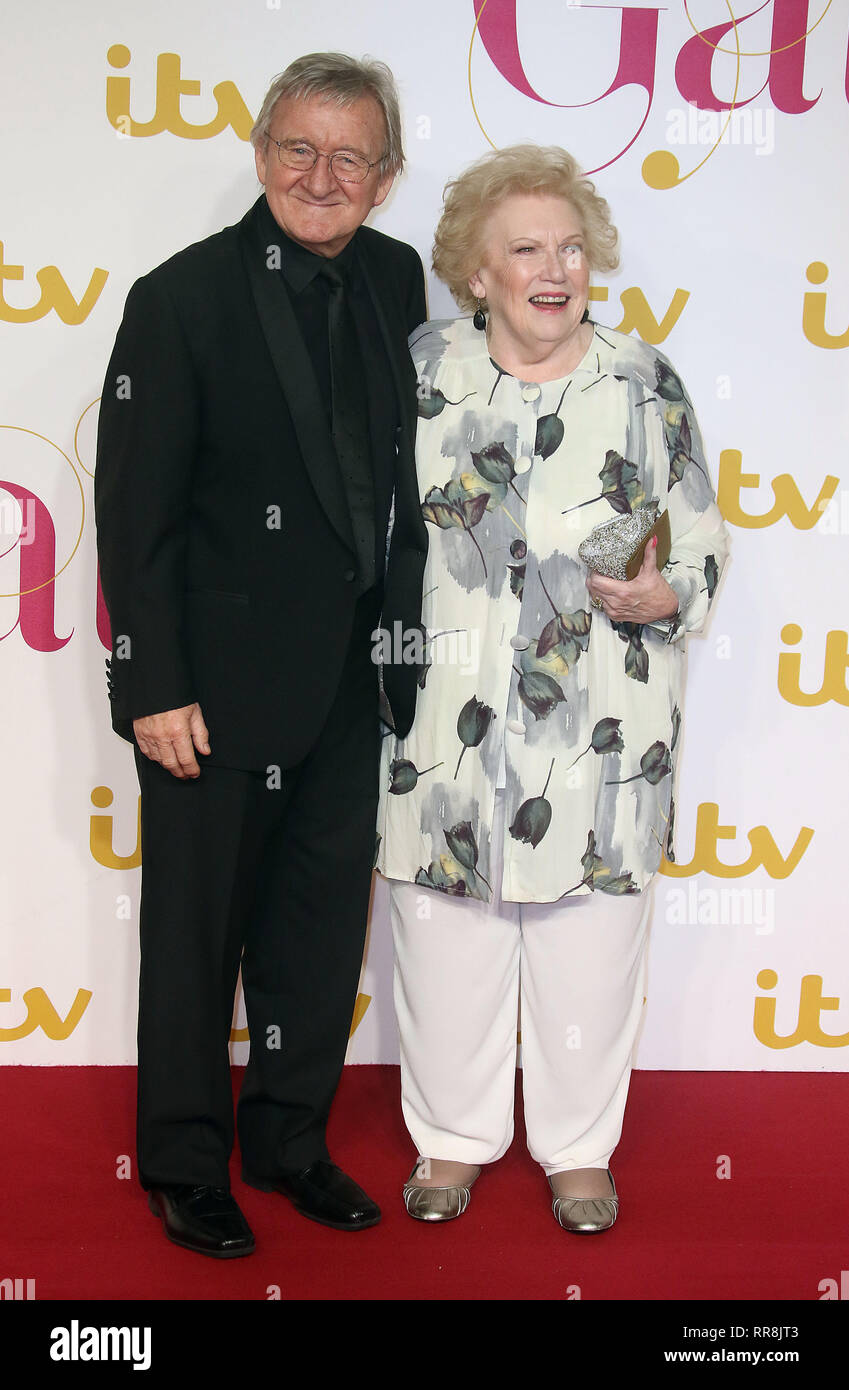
(571, 973)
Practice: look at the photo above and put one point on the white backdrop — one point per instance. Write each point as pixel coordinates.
(738, 269)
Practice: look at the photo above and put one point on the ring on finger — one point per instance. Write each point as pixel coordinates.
(597, 602)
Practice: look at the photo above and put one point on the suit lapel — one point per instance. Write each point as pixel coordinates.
(391, 321)
(296, 377)
(409, 527)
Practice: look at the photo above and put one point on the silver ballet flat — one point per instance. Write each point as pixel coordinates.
(586, 1214)
(435, 1203)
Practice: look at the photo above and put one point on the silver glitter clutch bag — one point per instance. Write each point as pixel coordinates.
(616, 548)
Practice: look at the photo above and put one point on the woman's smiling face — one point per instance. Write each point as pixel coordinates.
(534, 273)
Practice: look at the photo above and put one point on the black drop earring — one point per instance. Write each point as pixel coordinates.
(479, 319)
(586, 314)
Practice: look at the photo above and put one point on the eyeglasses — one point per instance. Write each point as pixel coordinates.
(345, 165)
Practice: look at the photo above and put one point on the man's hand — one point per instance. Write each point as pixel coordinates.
(171, 738)
(643, 599)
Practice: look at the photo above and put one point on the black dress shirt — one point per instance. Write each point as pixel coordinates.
(309, 293)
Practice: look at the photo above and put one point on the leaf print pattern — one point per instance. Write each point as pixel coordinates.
(539, 692)
(423, 666)
(473, 723)
(551, 655)
(404, 775)
(636, 656)
(455, 873)
(620, 485)
(676, 728)
(533, 817)
(606, 738)
(566, 636)
(711, 575)
(464, 847)
(518, 549)
(503, 568)
(517, 579)
(670, 831)
(453, 506)
(679, 442)
(654, 766)
(446, 876)
(679, 436)
(668, 382)
(497, 466)
(431, 402)
(599, 877)
(550, 430)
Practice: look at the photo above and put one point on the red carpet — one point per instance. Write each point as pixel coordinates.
(773, 1230)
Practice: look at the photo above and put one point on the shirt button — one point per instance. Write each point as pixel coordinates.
(523, 464)
(349, 576)
(515, 726)
(531, 393)
(519, 643)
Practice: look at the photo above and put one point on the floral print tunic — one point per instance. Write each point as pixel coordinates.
(523, 684)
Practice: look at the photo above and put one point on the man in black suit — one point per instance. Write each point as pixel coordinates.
(256, 431)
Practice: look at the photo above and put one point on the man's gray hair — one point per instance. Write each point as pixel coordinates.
(337, 77)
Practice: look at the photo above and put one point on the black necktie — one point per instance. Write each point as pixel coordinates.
(351, 421)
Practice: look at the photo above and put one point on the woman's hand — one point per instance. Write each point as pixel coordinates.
(643, 599)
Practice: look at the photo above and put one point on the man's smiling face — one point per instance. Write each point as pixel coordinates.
(313, 207)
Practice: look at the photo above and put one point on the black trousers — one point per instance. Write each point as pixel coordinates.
(277, 879)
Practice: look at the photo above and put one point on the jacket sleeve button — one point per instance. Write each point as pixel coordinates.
(349, 576)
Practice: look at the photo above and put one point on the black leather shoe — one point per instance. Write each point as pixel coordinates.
(204, 1219)
(323, 1193)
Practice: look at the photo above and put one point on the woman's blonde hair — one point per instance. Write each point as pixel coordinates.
(459, 244)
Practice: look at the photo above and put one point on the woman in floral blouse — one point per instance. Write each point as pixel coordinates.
(524, 817)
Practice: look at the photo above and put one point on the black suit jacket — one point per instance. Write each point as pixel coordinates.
(227, 559)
